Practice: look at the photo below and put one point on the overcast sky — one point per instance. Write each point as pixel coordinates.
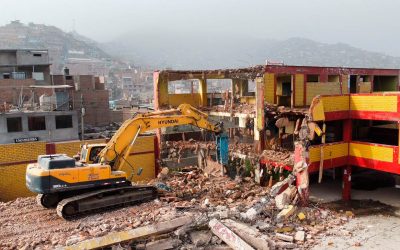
(367, 24)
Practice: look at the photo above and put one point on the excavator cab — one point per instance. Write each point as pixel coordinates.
(90, 152)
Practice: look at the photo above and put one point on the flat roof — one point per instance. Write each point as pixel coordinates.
(254, 71)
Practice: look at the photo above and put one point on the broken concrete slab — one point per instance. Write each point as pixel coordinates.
(283, 199)
(284, 237)
(300, 236)
(133, 234)
(229, 237)
(200, 238)
(250, 234)
(163, 244)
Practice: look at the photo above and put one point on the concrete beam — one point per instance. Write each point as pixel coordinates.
(133, 234)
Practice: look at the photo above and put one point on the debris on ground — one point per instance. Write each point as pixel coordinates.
(226, 212)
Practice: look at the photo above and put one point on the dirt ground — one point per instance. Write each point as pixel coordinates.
(376, 225)
(366, 232)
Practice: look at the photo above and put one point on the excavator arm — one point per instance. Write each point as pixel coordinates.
(126, 135)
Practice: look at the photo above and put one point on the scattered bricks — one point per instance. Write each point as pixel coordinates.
(229, 237)
(285, 213)
(230, 186)
(285, 245)
(300, 236)
(284, 237)
(200, 238)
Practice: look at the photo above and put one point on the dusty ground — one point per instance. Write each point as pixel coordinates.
(24, 224)
(367, 232)
(376, 225)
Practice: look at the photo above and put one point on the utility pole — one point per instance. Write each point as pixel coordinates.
(82, 115)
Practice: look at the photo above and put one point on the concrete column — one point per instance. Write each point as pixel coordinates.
(346, 187)
(203, 92)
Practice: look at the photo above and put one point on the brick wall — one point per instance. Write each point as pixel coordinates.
(15, 157)
(13, 161)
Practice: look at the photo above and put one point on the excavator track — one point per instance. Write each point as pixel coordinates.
(104, 199)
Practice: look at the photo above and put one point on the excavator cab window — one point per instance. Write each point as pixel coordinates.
(94, 153)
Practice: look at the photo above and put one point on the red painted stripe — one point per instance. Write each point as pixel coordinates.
(331, 163)
(15, 163)
(337, 115)
(374, 164)
(375, 115)
(50, 148)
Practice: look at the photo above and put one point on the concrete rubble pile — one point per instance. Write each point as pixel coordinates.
(196, 210)
(242, 108)
(175, 150)
(233, 214)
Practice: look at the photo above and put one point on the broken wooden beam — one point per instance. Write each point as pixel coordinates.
(133, 234)
(229, 237)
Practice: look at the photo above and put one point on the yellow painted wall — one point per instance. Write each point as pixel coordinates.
(335, 103)
(12, 176)
(321, 88)
(374, 103)
(10, 153)
(269, 87)
(176, 99)
(162, 84)
(331, 151)
(371, 152)
(299, 90)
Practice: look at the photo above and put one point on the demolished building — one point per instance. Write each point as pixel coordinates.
(278, 98)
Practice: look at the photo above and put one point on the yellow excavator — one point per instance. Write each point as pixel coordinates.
(96, 181)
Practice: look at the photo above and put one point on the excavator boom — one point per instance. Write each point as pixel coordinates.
(76, 188)
(130, 129)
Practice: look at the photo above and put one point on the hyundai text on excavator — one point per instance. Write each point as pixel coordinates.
(96, 181)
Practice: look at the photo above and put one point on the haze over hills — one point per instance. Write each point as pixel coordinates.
(185, 51)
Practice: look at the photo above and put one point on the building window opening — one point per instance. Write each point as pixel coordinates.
(312, 78)
(14, 124)
(37, 55)
(333, 78)
(284, 90)
(36, 123)
(380, 132)
(184, 86)
(353, 84)
(63, 121)
(385, 83)
(216, 90)
(6, 76)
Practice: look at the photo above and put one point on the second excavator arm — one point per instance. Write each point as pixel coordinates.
(126, 135)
